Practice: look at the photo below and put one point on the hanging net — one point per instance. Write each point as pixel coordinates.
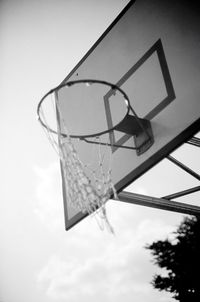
(88, 186)
(86, 164)
(88, 190)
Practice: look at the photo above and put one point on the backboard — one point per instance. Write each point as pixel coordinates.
(152, 52)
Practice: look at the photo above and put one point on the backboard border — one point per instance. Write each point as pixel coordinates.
(149, 163)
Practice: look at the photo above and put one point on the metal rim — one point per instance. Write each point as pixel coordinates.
(89, 81)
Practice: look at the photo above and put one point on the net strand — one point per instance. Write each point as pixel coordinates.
(86, 193)
(87, 188)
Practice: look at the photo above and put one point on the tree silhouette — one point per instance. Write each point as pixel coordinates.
(181, 261)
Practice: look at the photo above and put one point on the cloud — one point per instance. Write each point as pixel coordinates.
(94, 265)
(100, 279)
(117, 268)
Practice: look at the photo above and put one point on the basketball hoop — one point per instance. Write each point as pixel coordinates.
(88, 187)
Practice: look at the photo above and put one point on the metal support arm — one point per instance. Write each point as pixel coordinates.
(183, 167)
(159, 203)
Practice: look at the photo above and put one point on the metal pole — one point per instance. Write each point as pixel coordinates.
(159, 203)
(183, 167)
(182, 193)
(195, 141)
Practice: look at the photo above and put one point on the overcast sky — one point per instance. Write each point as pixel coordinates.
(41, 41)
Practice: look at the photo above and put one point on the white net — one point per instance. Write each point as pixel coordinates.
(88, 187)
(88, 190)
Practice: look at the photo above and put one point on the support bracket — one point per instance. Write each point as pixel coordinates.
(140, 129)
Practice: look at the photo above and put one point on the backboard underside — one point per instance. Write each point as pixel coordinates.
(152, 52)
